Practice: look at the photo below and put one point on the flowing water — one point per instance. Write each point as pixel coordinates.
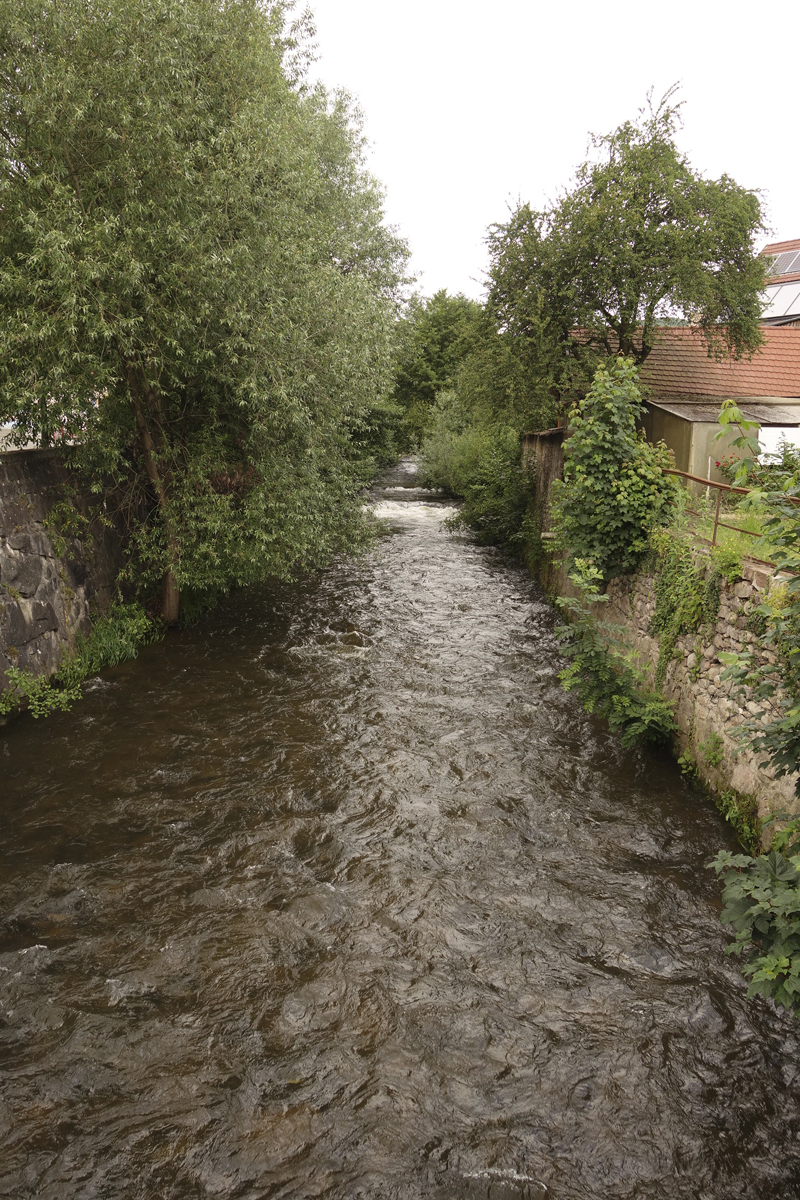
(340, 895)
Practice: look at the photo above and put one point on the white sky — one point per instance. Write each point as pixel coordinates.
(471, 106)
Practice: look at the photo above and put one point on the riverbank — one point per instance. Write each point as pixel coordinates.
(61, 551)
(688, 668)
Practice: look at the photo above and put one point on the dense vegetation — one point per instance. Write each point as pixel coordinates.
(196, 280)
(614, 491)
(640, 238)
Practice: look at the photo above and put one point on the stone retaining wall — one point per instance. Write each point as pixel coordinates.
(704, 703)
(50, 586)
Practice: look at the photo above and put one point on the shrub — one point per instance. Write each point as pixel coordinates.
(761, 898)
(480, 464)
(614, 491)
(114, 638)
(603, 671)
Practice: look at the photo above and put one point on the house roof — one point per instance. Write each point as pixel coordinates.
(781, 247)
(785, 260)
(679, 364)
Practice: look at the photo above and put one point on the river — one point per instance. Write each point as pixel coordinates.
(338, 894)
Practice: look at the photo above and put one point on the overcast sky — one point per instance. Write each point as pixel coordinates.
(471, 106)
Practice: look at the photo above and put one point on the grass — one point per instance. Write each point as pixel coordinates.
(751, 544)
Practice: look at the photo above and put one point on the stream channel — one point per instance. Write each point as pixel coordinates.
(338, 894)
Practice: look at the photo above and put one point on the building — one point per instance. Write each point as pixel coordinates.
(782, 294)
(685, 390)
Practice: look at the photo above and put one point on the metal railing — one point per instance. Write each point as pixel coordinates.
(721, 487)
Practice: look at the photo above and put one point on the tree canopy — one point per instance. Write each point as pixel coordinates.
(196, 280)
(433, 338)
(641, 237)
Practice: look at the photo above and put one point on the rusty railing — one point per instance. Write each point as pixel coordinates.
(721, 487)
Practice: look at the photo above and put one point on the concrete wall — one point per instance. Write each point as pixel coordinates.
(50, 586)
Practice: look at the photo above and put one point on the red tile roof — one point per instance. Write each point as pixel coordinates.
(781, 247)
(679, 364)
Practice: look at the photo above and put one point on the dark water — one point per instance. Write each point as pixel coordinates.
(340, 895)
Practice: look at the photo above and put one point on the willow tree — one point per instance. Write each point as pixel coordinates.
(196, 281)
(641, 237)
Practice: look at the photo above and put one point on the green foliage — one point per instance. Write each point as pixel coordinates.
(711, 750)
(114, 638)
(776, 490)
(726, 563)
(480, 464)
(761, 898)
(687, 592)
(527, 356)
(452, 447)
(497, 493)
(432, 341)
(638, 238)
(194, 256)
(741, 811)
(511, 377)
(64, 521)
(614, 491)
(35, 693)
(603, 671)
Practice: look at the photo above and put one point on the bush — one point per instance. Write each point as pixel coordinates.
(614, 491)
(603, 670)
(114, 638)
(480, 464)
(762, 902)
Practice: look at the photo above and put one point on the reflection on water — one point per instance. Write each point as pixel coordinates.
(339, 895)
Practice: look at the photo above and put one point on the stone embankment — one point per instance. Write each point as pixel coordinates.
(58, 565)
(706, 706)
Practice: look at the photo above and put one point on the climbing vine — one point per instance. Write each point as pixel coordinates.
(604, 672)
(614, 489)
(687, 591)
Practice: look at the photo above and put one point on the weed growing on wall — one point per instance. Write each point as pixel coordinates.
(114, 638)
(687, 591)
(772, 678)
(614, 490)
(603, 671)
(761, 898)
(741, 813)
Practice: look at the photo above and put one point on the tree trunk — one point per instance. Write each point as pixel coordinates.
(170, 598)
(170, 594)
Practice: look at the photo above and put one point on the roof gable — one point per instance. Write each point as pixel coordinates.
(679, 363)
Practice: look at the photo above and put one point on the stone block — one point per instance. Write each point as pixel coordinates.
(20, 627)
(743, 589)
(31, 542)
(22, 572)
